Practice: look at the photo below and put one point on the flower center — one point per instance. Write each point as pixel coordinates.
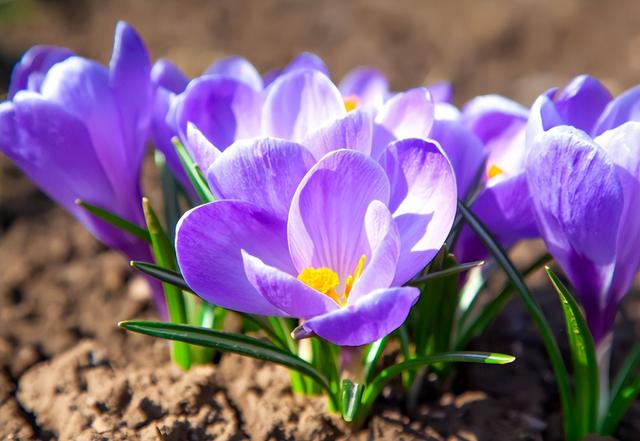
(494, 171)
(326, 281)
(351, 102)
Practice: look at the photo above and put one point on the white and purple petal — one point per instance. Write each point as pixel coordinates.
(238, 68)
(367, 85)
(353, 131)
(209, 244)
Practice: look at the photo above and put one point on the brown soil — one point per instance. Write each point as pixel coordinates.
(66, 370)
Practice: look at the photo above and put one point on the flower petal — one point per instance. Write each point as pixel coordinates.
(578, 203)
(582, 101)
(464, 150)
(263, 171)
(625, 107)
(423, 201)
(33, 66)
(238, 68)
(300, 103)
(544, 115)
(368, 85)
(623, 147)
(130, 80)
(353, 131)
(372, 317)
(441, 92)
(406, 115)
(166, 75)
(488, 116)
(384, 242)
(209, 240)
(284, 291)
(222, 108)
(306, 60)
(326, 219)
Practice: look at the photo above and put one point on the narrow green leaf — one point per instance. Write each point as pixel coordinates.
(374, 388)
(350, 396)
(555, 357)
(447, 272)
(230, 342)
(194, 173)
(115, 220)
(479, 324)
(583, 355)
(164, 275)
(374, 352)
(165, 258)
(626, 388)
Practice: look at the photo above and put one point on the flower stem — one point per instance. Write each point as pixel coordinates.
(603, 355)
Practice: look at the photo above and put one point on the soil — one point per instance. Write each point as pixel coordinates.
(67, 372)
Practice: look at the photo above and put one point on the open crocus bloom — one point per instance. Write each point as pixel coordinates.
(503, 202)
(225, 102)
(329, 242)
(586, 193)
(78, 130)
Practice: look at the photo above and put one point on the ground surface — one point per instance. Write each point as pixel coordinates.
(67, 372)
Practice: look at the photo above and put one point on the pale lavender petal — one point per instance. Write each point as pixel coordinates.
(441, 92)
(368, 85)
(326, 219)
(372, 317)
(284, 291)
(222, 108)
(384, 242)
(300, 103)
(203, 153)
(306, 60)
(582, 101)
(33, 66)
(353, 131)
(209, 243)
(578, 203)
(623, 147)
(623, 108)
(406, 115)
(423, 201)
(263, 171)
(544, 115)
(130, 81)
(238, 68)
(488, 116)
(464, 150)
(82, 88)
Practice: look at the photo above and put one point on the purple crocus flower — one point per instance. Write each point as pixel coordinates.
(78, 130)
(486, 145)
(327, 241)
(583, 171)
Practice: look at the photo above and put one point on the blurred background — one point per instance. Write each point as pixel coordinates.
(517, 47)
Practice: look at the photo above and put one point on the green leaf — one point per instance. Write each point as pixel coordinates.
(479, 324)
(230, 342)
(583, 355)
(374, 352)
(194, 173)
(626, 388)
(165, 258)
(115, 220)
(164, 275)
(447, 272)
(557, 363)
(350, 396)
(374, 388)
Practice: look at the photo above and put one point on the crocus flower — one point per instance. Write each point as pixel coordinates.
(583, 171)
(328, 241)
(502, 200)
(78, 130)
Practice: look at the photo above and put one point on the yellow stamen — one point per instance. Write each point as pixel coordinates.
(351, 102)
(325, 280)
(494, 171)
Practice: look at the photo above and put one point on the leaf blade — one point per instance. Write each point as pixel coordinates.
(115, 220)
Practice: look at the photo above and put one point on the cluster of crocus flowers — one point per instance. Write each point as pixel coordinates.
(332, 204)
